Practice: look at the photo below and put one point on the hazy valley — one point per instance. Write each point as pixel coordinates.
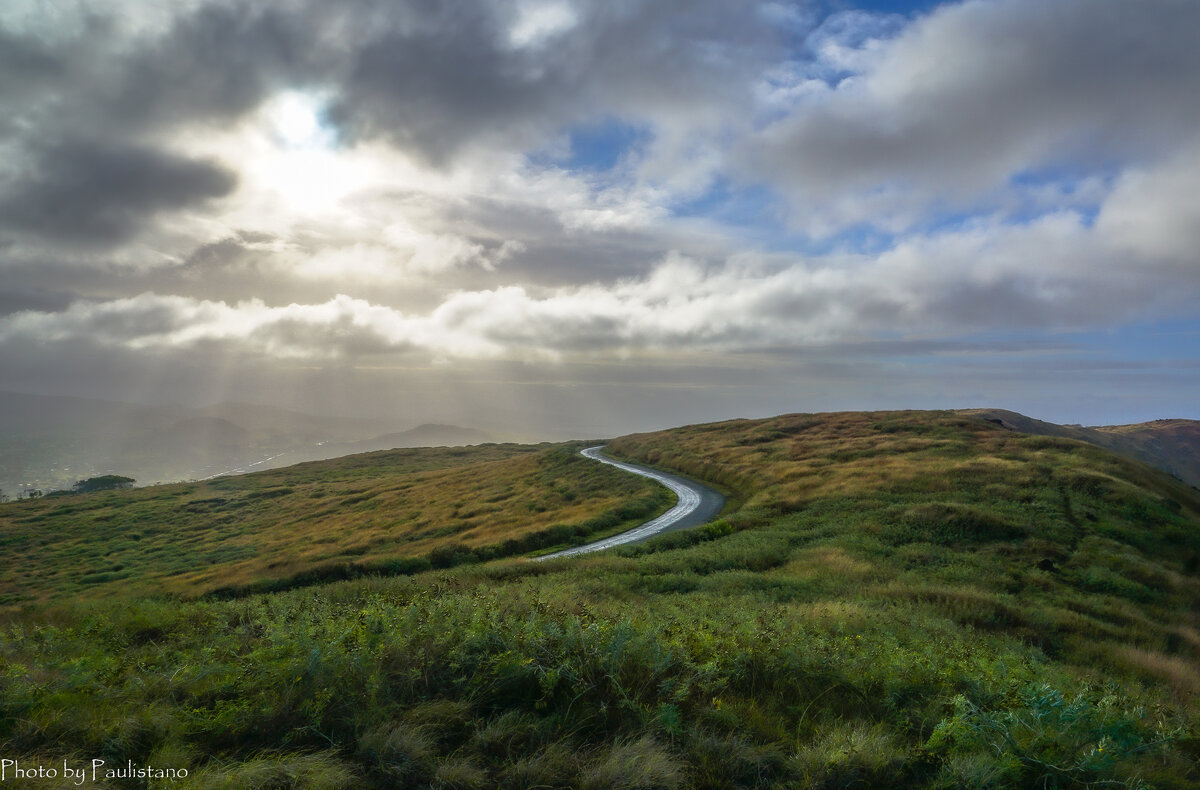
(49, 443)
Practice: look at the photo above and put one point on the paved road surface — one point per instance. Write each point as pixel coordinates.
(697, 505)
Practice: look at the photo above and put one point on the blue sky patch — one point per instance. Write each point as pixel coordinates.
(599, 147)
(905, 7)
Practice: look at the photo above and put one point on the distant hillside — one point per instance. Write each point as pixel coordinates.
(272, 422)
(1170, 445)
(429, 435)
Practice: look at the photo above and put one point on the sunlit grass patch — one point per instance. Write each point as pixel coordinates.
(360, 511)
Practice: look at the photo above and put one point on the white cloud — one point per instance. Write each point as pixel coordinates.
(1154, 210)
(948, 113)
(535, 22)
(1054, 273)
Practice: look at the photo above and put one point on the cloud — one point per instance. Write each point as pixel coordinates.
(26, 65)
(1153, 212)
(429, 77)
(1057, 273)
(309, 183)
(435, 78)
(159, 102)
(81, 191)
(946, 113)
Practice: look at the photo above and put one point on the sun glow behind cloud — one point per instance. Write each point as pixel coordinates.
(289, 151)
(371, 183)
(296, 119)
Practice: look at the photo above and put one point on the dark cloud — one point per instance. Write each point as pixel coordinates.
(428, 75)
(553, 254)
(444, 79)
(227, 253)
(442, 74)
(25, 64)
(86, 192)
(341, 337)
(216, 64)
(23, 297)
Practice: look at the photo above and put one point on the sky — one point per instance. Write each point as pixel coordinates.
(587, 217)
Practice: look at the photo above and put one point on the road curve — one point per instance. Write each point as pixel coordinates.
(697, 504)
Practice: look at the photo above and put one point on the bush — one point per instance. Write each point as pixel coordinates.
(1045, 740)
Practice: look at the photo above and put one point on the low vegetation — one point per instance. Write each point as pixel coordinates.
(908, 600)
(391, 511)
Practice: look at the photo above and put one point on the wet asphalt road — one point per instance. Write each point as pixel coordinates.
(698, 504)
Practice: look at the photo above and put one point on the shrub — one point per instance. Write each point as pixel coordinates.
(1045, 740)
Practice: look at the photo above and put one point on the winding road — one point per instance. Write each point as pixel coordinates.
(697, 505)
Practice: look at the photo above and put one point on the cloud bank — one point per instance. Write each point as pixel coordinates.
(548, 181)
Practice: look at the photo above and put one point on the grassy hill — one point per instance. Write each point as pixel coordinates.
(916, 599)
(398, 510)
(1170, 445)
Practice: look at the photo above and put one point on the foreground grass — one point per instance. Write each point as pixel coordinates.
(904, 600)
(395, 510)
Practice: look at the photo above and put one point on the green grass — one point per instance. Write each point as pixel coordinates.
(909, 600)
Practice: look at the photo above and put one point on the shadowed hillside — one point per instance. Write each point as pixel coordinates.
(1170, 445)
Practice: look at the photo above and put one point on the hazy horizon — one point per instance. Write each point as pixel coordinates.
(389, 421)
(566, 218)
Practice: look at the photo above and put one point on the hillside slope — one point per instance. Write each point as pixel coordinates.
(378, 511)
(903, 600)
(1170, 445)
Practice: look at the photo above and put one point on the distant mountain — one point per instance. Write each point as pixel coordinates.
(24, 414)
(50, 442)
(428, 435)
(272, 422)
(193, 432)
(1170, 445)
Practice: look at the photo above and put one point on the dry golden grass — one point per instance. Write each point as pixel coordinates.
(790, 461)
(1181, 675)
(800, 458)
(191, 538)
(828, 560)
(1189, 636)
